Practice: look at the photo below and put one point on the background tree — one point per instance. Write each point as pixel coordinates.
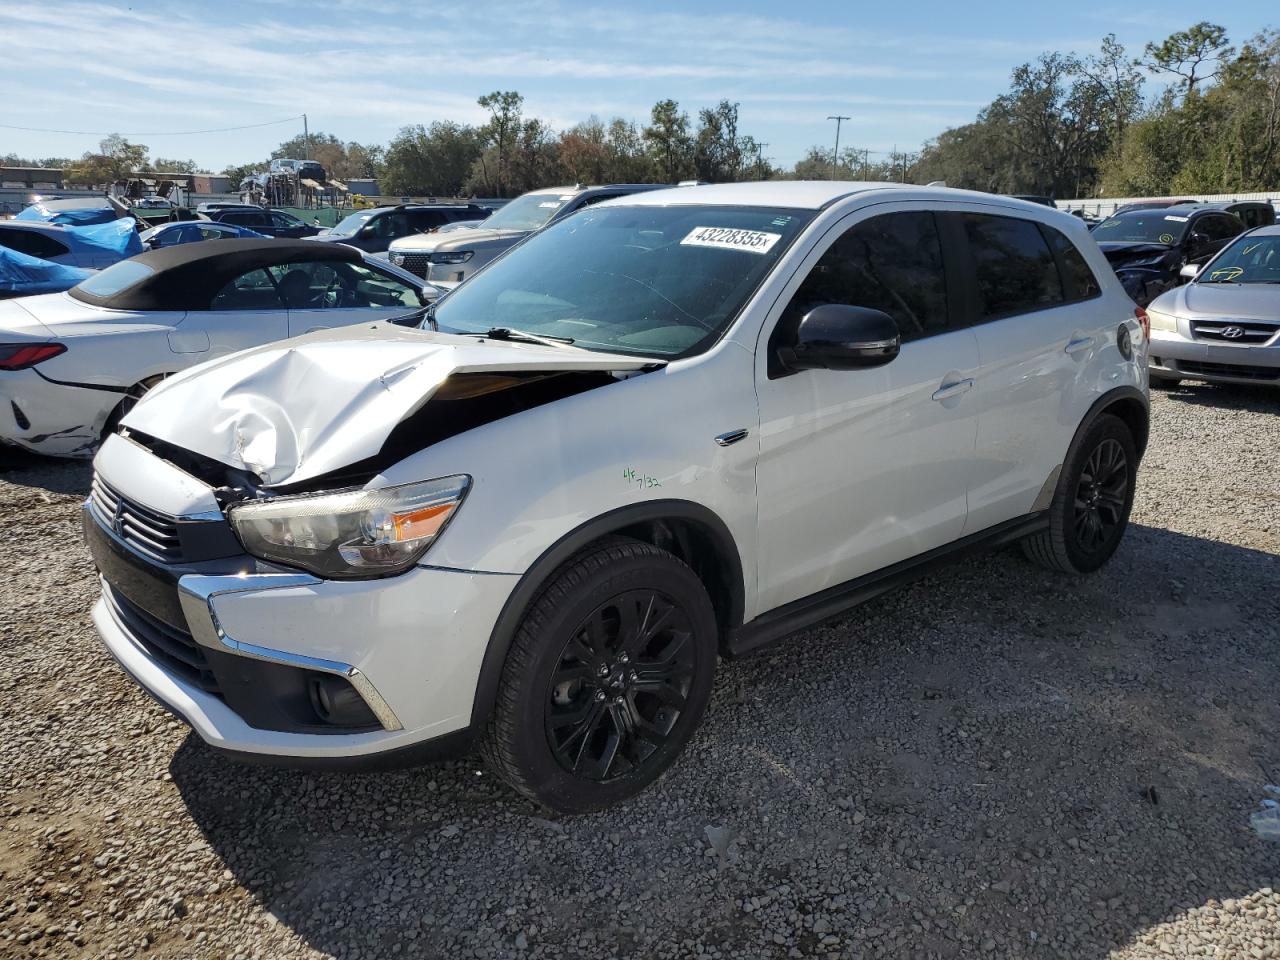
(116, 159)
(1118, 83)
(667, 138)
(431, 161)
(1189, 54)
(502, 130)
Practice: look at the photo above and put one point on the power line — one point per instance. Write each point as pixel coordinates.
(172, 133)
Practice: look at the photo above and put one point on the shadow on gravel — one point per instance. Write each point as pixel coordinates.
(53, 474)
(995, 761)
(1259, 399)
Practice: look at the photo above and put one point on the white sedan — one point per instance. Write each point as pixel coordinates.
(71, 364)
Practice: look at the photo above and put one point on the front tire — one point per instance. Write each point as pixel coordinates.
(1090, 508)
(606, 680)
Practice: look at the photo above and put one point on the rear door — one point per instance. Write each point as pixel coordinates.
(1042, 328)
(338, 293)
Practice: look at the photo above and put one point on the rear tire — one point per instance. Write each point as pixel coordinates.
(607, 678)
(136, 393)
(1090, 508)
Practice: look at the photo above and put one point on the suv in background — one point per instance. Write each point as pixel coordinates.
(451, 258)
(1148, 247)
(373, 230)
(269, 223)
(677, 425)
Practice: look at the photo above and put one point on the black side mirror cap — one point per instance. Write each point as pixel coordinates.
(836, 336)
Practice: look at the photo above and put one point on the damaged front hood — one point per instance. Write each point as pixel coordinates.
(455, 240)
(298, 409)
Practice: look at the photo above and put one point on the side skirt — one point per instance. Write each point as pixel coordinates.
(808, 611)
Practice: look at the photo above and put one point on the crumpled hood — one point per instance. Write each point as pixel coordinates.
(455, 240)
(1222, 301)
(296, 409)
(1117, 252)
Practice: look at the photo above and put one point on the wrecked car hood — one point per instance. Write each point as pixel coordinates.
(1118, 251)
(297, 409)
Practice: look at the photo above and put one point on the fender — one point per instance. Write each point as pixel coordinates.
(1099, 407)
(504, 630)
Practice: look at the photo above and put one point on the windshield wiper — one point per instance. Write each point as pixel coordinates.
(510, 333)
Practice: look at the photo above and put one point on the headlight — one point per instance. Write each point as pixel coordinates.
(461, 256)
(1162, 321)
(351, 534)
(397, 259)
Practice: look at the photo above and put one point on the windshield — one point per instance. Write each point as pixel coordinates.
(528, 212)
(1251, 259)
(657, 281)
(348, 226)
(1142, 226)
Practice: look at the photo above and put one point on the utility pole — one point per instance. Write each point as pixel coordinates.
(306, 139)
(760, 159)
(835, 154)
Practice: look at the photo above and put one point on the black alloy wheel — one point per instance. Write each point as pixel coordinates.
(1089, 512)
(620, 685)
(606, 678)
(1102, 498)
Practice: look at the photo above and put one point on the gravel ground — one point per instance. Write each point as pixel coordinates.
(996, 761)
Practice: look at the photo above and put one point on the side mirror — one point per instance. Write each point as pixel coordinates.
(1189, 271)
(430, 293)
(1199, 239)
(836, 336)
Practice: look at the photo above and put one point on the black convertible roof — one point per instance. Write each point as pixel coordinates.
(187, 276)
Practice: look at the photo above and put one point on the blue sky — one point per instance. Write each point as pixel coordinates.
(363, 68)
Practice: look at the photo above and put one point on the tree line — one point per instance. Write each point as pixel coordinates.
(1072, 126)
(1068, 126)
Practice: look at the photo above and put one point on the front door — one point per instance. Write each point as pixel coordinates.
(860, 469)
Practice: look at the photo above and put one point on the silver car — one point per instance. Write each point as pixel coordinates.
(1223, 326)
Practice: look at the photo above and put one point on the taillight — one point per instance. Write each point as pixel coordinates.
(1144, 322)
(19, 356)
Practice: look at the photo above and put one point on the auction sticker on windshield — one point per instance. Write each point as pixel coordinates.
(727, 238)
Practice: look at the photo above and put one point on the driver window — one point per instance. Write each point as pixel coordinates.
(307, 286)
(892, 263)
(249, 291)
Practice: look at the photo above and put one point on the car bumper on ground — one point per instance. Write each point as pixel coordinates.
(1175, 356)
(238, 655)
(52, 418)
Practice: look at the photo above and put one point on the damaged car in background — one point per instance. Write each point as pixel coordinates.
(72, 363)
(1148, 247)
(673, 425)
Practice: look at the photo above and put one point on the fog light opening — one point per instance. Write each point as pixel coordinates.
(336, 702)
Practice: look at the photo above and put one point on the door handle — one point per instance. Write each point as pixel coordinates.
(1076, 344)
(949, 390)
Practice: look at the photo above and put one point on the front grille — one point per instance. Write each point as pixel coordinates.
(416, 263)
(1244, 332)
(1191, 368)
(174, 649)
(150, 533)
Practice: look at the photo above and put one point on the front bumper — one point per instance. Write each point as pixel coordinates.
(411, 646)
(52, 418)
(1177, 356)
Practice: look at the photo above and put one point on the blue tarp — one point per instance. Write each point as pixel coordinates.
(118, 238)
(75, 218)
(22, 274)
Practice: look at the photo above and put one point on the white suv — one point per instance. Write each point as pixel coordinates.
(676, 425)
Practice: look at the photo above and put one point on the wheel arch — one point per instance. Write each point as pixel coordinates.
(686, 529)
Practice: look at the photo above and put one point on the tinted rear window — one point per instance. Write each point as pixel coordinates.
(1015, 270)
(117, 277)
(1077, 277)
